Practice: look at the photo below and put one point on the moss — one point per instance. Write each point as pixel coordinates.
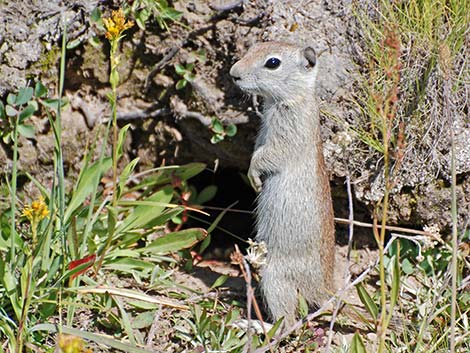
(49, 59)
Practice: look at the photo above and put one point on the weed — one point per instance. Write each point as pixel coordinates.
(187, 74)
(160, 10)
(220, 131)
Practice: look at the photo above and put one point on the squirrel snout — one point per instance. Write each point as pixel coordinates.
(235, 73)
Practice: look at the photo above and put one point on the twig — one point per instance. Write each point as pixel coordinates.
(160, 65)
(346, 221)
(391, 228)
(143, 114)
(204, 120)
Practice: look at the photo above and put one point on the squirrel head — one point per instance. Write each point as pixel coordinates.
(277, 70)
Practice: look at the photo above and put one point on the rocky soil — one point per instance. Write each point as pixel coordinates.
(172, 126)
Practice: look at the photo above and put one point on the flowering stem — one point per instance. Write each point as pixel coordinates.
(115, 26)
(114, 62)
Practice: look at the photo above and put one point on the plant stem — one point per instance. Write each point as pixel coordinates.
(13, 193)
(59, 159)
(25, 308)
(113, 100)
(115, 127)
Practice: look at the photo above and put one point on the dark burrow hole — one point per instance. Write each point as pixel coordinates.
(240, 221)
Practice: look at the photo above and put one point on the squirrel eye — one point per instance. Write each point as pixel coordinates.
(272, 63)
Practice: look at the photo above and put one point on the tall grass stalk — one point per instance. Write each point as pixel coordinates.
(58, 130)
(13, 186)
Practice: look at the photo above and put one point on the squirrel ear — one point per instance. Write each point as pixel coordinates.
(311, 56)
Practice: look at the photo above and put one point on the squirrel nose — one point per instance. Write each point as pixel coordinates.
(235, 73)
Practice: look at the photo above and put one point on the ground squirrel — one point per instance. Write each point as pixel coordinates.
(294, 210)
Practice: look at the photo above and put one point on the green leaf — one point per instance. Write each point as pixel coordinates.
(49, 306)
(357, 346)
(7, 138)
(54, 103)
(95, 15)
(189, 67)
(140, 23)
(177, 219)
(181, 84)
(217, 138)
(217, 220)
(231, 130)
(143, 320)
(303, 306)
(95, 41)
(10, 110)
(2, 111)
(74, 43)
(368, 302)
(128, 169)
(173, 242)
(216, 126)
(144, 213)
(27, 112)
(114, 78)
(219, 281)
(125, 320)
(205, 243)
(190, 77)
(40, 90)
(274, 329)
(129, 264)
(121, 139)
(206, 194)
(10, 283)
(166, 174)
(180, 69)
(142, 18)
(407, 267)
(165, 217)
(171, 14)
(86, 184)
(26, 130)
(11, 99)
(24, 95)
(395, 282)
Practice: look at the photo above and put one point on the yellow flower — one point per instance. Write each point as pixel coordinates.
(72, 344)
(37, 211)
(116, 24)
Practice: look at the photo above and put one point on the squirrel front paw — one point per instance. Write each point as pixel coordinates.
(255, 179)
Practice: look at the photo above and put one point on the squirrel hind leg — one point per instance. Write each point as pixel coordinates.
(279, 294)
